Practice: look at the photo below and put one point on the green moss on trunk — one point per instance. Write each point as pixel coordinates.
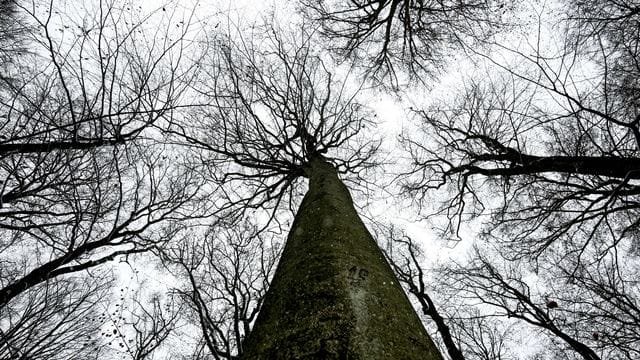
(334, 296)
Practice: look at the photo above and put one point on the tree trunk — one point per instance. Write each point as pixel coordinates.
(334, 296)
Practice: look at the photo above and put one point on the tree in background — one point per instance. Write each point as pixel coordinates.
(554, 131)
(84, 178)
(225, 276)
(55, 320)
(464, 332)
(393, 37)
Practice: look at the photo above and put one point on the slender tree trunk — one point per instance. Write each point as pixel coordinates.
(334, 296)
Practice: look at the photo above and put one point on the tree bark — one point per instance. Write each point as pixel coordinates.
(334, 296)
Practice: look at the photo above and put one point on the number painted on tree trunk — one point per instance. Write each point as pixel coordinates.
(357, 275)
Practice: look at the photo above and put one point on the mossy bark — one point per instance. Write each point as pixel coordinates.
(334, 296)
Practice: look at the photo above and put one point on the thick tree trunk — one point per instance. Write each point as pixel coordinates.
(334, 296)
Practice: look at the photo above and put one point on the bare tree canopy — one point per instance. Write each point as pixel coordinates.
(543, 149)
(274, 106)
(390, 35)
(80, 167)
(186, 180)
